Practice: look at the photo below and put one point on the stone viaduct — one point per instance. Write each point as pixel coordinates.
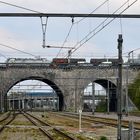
(69, 84)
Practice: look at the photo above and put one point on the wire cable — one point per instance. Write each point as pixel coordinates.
(66, 38)
(3, 55)
(19, 7)
(73, 23)
(102, 25)
(18, 50)
(92, 11)
(43, 29)
(131, 51)
(93, 31)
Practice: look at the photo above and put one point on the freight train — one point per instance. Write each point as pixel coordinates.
(103, 62)
(62, 62)
(81, 62)
(67, 63)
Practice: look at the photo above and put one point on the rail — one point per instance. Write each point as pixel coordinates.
(7, 120)
(33, 119)
(106, 121)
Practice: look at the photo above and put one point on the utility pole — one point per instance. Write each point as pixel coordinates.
(126, 107)
(119, 103)
(1, 102)
(127, 74)
(80, 119)
(131, 131)
(93, 98)
(108, 100)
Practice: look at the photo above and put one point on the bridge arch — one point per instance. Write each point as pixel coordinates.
(109, 86)
(112, 88)
(42, 79)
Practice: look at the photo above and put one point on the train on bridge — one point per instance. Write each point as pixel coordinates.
(68, 62)
(61, 62)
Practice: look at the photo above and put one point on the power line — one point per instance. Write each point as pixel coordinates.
(102, 25)
(92, 11)
(84, 40)
(87, 15)
(18, 50)
(125, 54)
(131, 51)
(3, 55)
(19, 7)
(43, 25)
(73, 23)
(66, 38)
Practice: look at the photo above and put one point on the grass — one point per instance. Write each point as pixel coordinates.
(21, 134)
(134, 91)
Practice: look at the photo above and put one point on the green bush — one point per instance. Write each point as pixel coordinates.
(103, 138)
(134, 91)
(101, 107)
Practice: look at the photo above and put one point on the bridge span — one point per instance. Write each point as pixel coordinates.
(68, 83)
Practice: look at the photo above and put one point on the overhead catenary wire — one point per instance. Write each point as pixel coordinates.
(66, 37)
(7, 46)
(3, 55)
(44, 26)
(77, 22)
(84, 40)
(39, 12)
(131, 51)
(102, 25)
(92, 11)
(21, 7)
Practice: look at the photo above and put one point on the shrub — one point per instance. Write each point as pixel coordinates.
(103, 138)
(134, 91)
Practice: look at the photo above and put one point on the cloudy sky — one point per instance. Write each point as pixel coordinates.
(26, 33)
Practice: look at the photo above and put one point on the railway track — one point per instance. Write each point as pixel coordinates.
(51, 132)
(107, 121)
(5, 116)
(7, 120)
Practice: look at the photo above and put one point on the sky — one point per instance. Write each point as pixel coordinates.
(26, 33)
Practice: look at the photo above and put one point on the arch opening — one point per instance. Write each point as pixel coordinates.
(102, 87)
(34, 92)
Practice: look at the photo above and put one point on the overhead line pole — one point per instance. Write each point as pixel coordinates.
(119, 97)
(69, 15)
